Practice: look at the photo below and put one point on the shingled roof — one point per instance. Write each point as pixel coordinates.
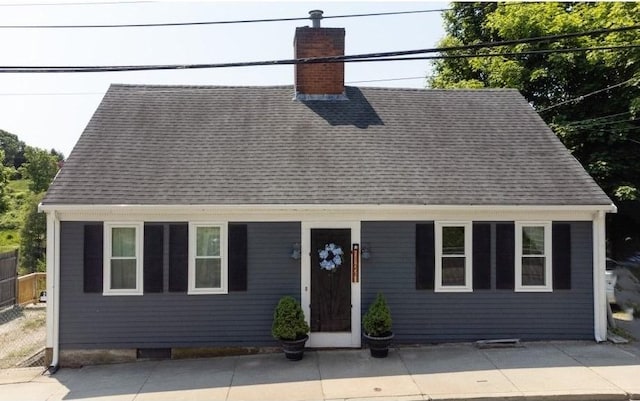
(206, 145)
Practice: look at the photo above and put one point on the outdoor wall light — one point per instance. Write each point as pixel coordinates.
(365, 251)
(295, 251)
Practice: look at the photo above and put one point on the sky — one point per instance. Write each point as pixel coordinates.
(51, 110)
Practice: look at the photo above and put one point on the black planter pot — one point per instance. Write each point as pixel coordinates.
(379, 346)
(294, 349)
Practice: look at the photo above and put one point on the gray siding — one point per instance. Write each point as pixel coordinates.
(177, 319)
(421, 316)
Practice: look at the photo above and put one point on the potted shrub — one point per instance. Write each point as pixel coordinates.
(377, 327)
(290, 328)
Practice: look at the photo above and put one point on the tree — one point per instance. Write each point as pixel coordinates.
(13, 149)
(33, 238)
(4, 179)
(600, 130)
(40, 167)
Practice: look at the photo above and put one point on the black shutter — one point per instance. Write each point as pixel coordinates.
(561, 256)
(178, 257)
(425, 256)
(481, 256)
(505, 256)
(237, 257)
(93, 257)
(153, 257)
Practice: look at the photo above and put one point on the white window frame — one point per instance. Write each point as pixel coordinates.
(224, 276)
(548, 271)
(106, 265)
(468, 247)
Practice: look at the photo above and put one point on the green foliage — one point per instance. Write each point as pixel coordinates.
(4, 179)
(377, 321)
(33, 237)
(599, 130)
(288, 320)
(13, 149)
(40, 167)
(12, 219)
(626, 193)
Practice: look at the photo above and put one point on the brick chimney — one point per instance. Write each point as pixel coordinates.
(321, 81)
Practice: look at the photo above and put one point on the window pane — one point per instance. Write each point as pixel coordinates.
(123, 274)
(533, 271)
(533, 240)
(208, 273)
(123, 241)
(208, 241)
(453, 271)
(453, 240)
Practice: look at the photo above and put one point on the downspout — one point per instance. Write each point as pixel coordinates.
(599, 290)
(53, 286)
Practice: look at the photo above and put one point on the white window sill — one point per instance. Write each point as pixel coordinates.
(123, 293)
(453, 289)
(533, 289)
(207, 291)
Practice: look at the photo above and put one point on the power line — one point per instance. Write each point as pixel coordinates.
(96, 3)
(387, 79)
(578, 99)
(599, 118)
(170, 24)
(505, 54)
(51, 93)
(102, 93)
(370, 57)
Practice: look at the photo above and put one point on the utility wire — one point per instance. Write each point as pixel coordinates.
(370, 57)
(578, 99)
(388, 79)
(598, 118)
(94, 3)
(102, 93)
(169, 24)
(506, 54)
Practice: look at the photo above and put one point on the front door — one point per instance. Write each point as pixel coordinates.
(330, 280)
(330, 291)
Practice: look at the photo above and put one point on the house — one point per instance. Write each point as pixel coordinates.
(185, 212)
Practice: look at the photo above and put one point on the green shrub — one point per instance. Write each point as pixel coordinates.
(377, 320)
(288, 320)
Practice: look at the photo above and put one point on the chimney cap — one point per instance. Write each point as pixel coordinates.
(315, 16)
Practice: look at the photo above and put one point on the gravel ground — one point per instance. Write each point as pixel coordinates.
(22, 334)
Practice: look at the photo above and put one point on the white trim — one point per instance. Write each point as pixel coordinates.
(106, 266)
(599, 285)
(548, 272)
(53, 286)
(50, 277)
(297, 212)
(319, 207)
(328, 214)
(224, 286)
(468, 265)
(322, 340)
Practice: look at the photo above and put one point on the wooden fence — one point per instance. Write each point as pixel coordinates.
(30, 287)
(8, 278)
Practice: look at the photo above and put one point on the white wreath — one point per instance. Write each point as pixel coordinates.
(330, 257)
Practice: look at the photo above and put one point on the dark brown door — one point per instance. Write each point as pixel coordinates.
(330, 280)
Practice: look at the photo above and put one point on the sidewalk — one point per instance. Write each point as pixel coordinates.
(537, 371)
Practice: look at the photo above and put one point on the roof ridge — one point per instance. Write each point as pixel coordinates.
(187, 86)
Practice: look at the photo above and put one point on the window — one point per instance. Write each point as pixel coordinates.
(533, 257)
(207, 258)
(122, 267)
(453, 257)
